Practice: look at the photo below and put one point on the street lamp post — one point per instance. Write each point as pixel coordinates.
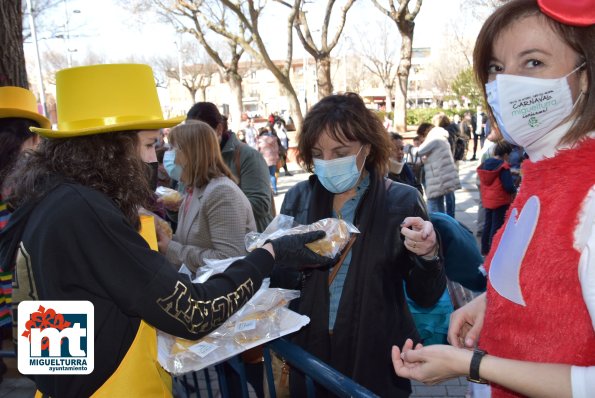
(179, 50)
(37, 58)
(66, 35)
(305, 73)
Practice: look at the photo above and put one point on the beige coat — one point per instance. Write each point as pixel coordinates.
(212, 224)
(441, 172)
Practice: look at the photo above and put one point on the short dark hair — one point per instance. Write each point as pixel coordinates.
(424, 128)
(396, 136)
(580, 38)
(345, 118)
(206, 112)
(502, 148)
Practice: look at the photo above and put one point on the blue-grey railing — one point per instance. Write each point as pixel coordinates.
(316, 374)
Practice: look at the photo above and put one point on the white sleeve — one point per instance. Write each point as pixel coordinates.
(583, 381)
(583, 378)
(584, 242)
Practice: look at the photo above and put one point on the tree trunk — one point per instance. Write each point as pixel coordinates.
(400, 115)
(236, 107)
(389, 99)
(192, 91)
(202, 97)
(323, 76)
(12, 57)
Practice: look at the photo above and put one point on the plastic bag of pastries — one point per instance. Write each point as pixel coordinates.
(338, 233)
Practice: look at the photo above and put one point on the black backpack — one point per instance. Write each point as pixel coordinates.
(459, 151)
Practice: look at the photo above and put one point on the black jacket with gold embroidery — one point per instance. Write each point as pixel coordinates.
(75, 244)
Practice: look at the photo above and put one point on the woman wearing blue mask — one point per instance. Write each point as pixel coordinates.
(536, 323)
(358, 316)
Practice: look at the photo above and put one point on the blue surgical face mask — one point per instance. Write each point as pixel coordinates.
(338, 175)
(169, 163)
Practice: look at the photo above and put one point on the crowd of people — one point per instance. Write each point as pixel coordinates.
(72, 198)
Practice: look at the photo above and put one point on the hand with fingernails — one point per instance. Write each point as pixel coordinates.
(420, 237)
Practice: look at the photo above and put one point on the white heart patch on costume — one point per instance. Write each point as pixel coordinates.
(506, 264)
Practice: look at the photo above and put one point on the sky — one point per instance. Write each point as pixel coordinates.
(105, 28)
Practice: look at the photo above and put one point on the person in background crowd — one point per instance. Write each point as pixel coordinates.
(215, 215)
(463, 264)
(515, 160)
(398, 169)
(541, 291)
(497, 190)
(251, 134)
(241, 136)
(465, 131)
(75, 234)
(281, 133)
(18, 112)
(360, 312)
(244, 162)
(414, 160)
(478, 123)
(441, 120)
(486, 152)
(441, 175)
(268, 146)
(163, 179)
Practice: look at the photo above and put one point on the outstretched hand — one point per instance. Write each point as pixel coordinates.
(466, 323)
(430, 365)
(291, 250)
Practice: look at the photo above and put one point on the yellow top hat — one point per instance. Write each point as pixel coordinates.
(20, 102)
(106, 98)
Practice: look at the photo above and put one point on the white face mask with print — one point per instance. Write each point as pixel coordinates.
(527, 108)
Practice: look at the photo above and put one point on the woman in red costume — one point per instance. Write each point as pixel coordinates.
(533, 332)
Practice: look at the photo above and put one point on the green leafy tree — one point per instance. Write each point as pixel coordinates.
(465, 88)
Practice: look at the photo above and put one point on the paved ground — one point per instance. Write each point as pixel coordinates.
(16, 386)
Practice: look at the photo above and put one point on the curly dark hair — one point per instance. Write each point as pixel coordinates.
(13, 133)
(109, 163)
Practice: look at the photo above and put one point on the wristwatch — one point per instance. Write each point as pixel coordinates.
(474, 367)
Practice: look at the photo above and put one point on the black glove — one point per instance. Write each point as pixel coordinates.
(290, 250)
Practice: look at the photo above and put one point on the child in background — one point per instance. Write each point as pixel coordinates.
(497, 190)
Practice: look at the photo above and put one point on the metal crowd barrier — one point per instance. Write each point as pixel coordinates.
(316, 374)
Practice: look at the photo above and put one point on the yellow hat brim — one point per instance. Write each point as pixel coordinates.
(136, 125)
(43, 121)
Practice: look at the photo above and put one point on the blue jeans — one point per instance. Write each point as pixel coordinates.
(437, 204)
(494, 219)
(450, 203)
(272, 171)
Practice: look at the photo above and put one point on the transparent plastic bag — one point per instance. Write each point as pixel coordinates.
(338, 233)
(170, 197)
(262, 319)
(259, 318)
(212, 267)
